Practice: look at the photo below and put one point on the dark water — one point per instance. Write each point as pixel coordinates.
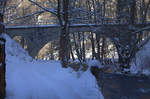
(118, 86)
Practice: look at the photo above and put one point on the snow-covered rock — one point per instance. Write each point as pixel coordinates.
(94, 63)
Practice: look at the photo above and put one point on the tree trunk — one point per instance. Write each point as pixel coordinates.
(71, 52)
(77, 48)
(63, 48)
(98, 46)
(103, 48)
(64, 36)
(83, 46)
(93, 46)
(2, 60)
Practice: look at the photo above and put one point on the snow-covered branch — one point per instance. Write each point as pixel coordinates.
(140, 30)
(143, 43)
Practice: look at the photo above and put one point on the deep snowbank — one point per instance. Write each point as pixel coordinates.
(30, 79)
(142, 63)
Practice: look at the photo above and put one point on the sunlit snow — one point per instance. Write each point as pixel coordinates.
(32, 79)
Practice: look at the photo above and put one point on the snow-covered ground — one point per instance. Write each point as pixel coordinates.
(32, 79)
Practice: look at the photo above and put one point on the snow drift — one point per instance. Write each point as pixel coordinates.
(30, 79)
(142, 63)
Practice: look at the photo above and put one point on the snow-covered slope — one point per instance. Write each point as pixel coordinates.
(142, 63)
(14, 50)
(30, 79)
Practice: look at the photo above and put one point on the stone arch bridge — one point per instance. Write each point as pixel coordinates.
(37, 36)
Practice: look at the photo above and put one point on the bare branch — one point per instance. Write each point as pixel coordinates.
(145, 12)
(143, 43)
(140, 30)
(28, 15)
(58, 13)
(46, 9)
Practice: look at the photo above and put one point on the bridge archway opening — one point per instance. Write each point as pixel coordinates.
(108, 51)
(21, 40)
(50, 51)
(80, 45)
(84, 43)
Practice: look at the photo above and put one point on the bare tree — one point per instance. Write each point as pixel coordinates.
(2, 51)
(62, 15)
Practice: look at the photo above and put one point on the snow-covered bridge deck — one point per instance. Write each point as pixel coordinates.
(75, 27)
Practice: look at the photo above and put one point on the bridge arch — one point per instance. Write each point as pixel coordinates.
(89, 47)
(37, 36)
(108, 50)
(111, 49)
(50, 51)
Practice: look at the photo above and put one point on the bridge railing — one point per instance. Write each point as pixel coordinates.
(105, 22)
